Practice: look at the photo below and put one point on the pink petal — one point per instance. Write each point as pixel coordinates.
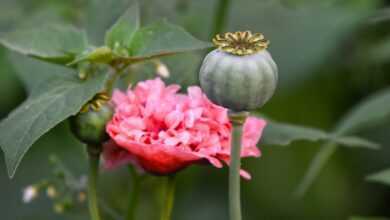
(118, 97)
(252, 131)
(245, 175)
(162, 131)
(115, 157)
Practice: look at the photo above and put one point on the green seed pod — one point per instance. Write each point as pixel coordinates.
(89, 125)
(240, 74)
(101, 55)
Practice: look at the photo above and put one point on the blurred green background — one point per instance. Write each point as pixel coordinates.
(331, 54)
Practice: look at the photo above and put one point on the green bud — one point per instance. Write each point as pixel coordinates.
(101, 55)
(89, 125)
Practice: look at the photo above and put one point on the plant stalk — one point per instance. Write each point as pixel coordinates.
(237, 119)
(169, 191)
(316, 165)
(134, 195)
(220, 19)
(234, 174)
(94, 158)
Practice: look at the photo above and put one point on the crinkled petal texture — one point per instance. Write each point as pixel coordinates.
(163, 131)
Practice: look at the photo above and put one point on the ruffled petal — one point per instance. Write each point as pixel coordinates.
(162, 132)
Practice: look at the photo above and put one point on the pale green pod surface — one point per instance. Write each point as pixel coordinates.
(90, 127)
(239, 82)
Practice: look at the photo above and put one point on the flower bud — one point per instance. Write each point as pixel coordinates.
(89, 125)
(240, 74)
(162, 69)
(101, 55)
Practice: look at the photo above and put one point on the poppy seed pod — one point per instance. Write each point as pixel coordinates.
(240, 74)
(89, 125)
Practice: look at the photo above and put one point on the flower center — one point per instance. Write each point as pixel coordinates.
(241, 43)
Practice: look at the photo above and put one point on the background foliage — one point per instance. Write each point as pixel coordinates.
(332, 57)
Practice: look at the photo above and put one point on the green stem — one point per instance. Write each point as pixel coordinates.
(316, 165)
(169, 191)
(111, 82)
(221, 13)
(234, 174)
(94, 157)
(134, 195)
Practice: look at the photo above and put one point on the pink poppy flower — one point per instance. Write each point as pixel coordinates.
(162, 131)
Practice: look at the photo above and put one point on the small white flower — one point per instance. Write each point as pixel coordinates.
(162, 70)
(29, 194)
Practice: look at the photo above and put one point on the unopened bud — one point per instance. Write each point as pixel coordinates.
(162, 69)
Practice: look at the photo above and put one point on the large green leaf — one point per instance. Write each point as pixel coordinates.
(373, 110)
(353, 141)
(101, 14)
(122, 32)
(284, 134)
(55, 43)
(33, 73)
(380, 177)
(52, 101)
(163, 38)
(381, 15)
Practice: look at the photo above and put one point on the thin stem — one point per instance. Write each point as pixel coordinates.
(221, 13)
(111, 81)
(234, 174)
(134, 194)
(109, 210)
(316, 165)
(94, 157)
(169, 191)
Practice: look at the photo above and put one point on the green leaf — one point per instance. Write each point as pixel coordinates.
(32, 72)
(380, 177)
(322, 157)
(381, 15)
(53, 43)
(122, 32)
(379, 53)
(50, 102)
(352, 141)
(284, 134)
(162, 38)
(373, 110)
(101, 14)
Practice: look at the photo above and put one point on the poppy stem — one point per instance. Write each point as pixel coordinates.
(237, 120)
(234, 175)
(169, 192)
(134, 194)
(221, 14)
(94, 158)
